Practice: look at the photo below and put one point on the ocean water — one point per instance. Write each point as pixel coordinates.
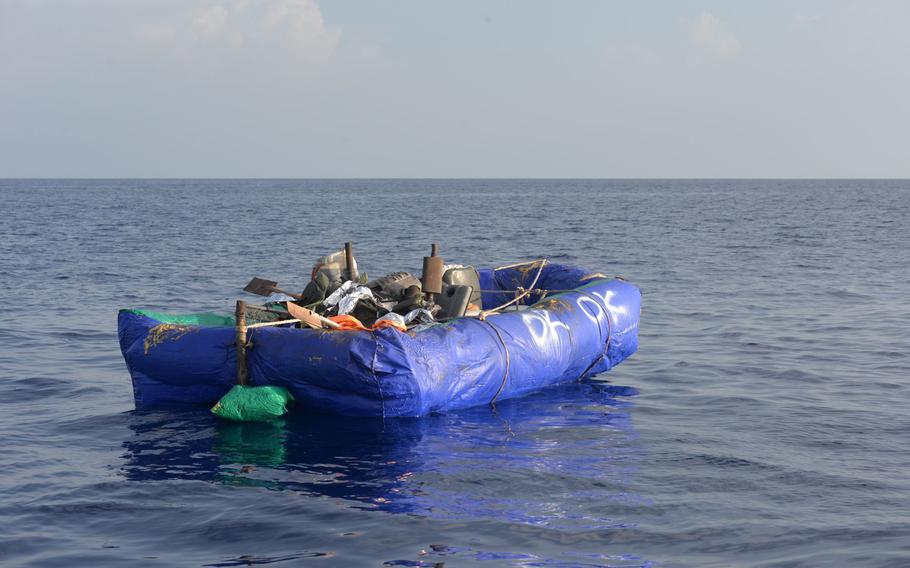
(763, 422)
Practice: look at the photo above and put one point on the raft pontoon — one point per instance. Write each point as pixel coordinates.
(578, 324)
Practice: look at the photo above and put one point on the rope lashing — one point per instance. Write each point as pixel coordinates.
(484, 313)
(505, 348)
(609, 333)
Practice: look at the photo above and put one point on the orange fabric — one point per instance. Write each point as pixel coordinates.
(350, 323)
(389, 323)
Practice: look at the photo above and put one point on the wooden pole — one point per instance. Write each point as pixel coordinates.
(240, 341)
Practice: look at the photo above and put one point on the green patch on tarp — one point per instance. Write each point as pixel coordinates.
(204, 319)
(253, 404)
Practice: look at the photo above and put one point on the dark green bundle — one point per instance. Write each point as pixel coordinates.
(253, 404)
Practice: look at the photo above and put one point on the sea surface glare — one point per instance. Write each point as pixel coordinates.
(764, 421)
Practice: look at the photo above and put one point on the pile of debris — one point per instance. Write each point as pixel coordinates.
(340, 297)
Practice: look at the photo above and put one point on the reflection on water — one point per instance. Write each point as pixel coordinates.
(562, 459)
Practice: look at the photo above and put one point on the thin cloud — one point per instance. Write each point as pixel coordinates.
(804, 19)
(210, 21)
(237, 30)
(710, 36)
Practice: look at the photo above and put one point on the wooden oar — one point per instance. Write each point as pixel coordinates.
(310, 317)
(263, 287)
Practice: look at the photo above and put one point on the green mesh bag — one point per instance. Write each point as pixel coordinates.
(253, 404)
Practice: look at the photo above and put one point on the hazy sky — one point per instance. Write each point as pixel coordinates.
(340, 88)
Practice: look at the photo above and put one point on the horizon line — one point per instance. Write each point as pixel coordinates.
(360, 178)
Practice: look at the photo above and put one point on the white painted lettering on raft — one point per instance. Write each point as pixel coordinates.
(618, 310)
(594, 315)
(543, 328)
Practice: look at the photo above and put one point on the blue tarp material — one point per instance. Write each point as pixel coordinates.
(565, 336)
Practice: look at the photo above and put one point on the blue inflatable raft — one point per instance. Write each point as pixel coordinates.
(585, 326)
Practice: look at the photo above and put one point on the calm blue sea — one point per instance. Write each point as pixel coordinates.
(765, 420)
